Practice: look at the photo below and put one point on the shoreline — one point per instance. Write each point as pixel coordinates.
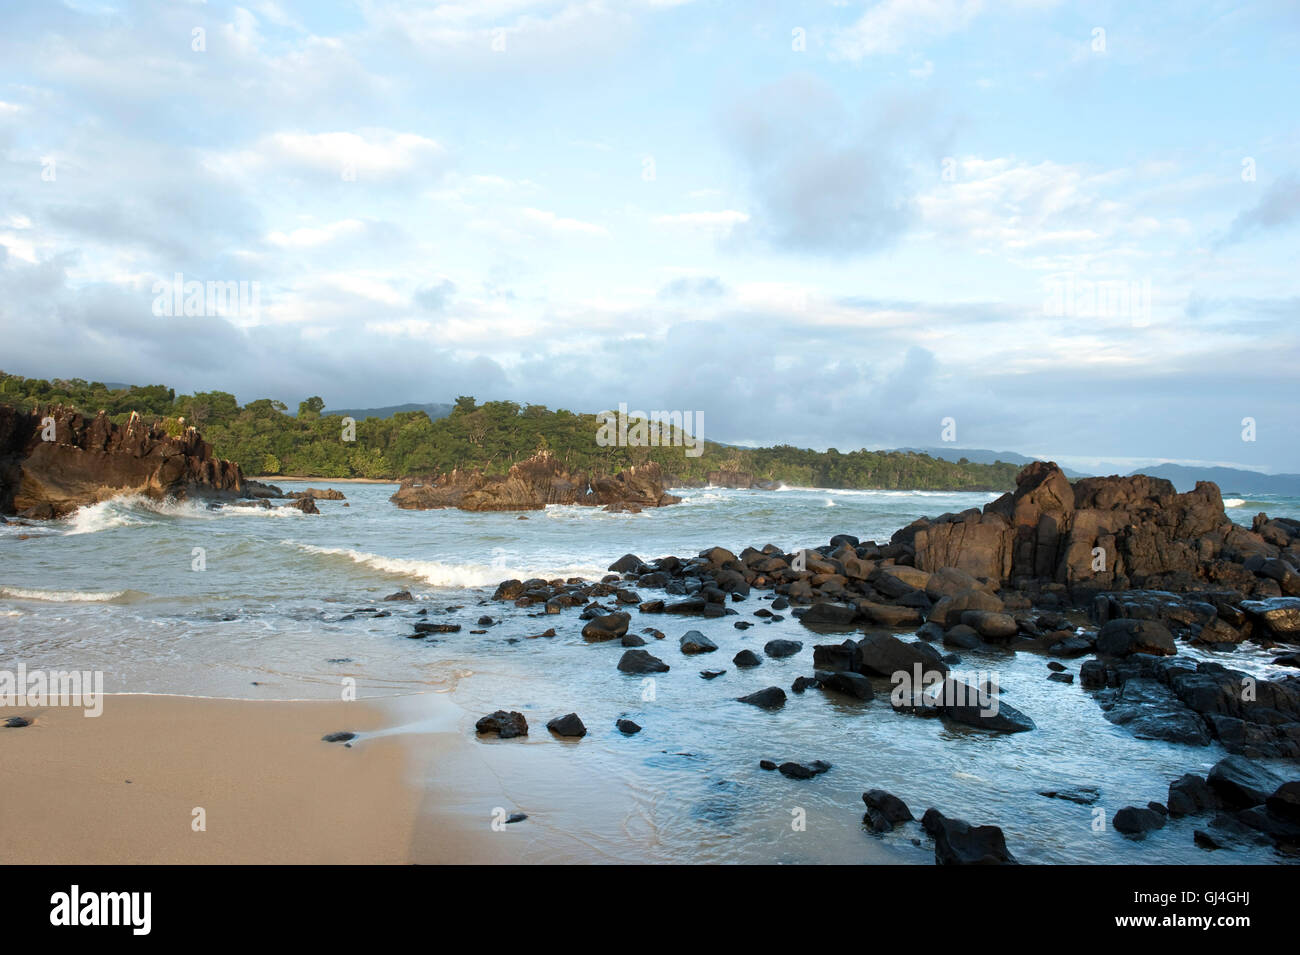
(287, 479)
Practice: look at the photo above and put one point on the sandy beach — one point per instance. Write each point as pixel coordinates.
(123, 787)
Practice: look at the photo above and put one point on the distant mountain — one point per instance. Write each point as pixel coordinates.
(434, 411)
(983, 456)
(1231, 481)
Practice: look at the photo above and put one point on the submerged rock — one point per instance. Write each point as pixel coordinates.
(505, 724)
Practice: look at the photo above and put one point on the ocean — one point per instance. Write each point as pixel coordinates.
(178, 598)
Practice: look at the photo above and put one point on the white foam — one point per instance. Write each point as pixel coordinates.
(62, 596)
(443, 574)
(1234, 502)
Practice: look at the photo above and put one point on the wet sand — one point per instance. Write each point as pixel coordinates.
(123, 787)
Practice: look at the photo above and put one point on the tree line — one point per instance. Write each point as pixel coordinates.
(266, 439)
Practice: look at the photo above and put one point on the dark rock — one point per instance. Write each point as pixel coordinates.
(400, 595)
(1241, 784)
(852, 684)
(568, 726)
(18, 722)
(1082, 795)
(1061, 677)
(881, 654)
(1190, 795)
(608, 627)
(892, 809)
(769, 698)
(1285, 802)
(957, 842)
(782, 648)
(1134, 821)
(964, 704)
(341, 737)
(746, 658)
(711, 674)
(828, 615)
(1120, 638)
(641, 661)
(694, 642)
(627, 727)
(505, 724)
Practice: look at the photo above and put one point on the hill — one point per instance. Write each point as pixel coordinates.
(1230, 480)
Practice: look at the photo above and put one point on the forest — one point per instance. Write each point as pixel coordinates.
(267, 439)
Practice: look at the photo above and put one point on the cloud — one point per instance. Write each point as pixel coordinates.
(550, 222)
(1277, 208)
(826, 178)
(704, 286)
(892, 25)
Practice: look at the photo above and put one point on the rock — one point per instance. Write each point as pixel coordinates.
(611, 626)
(632, 640)
(1280, 616)
(427, 628)
(505, 724)
(991, 625)
(767, 764)
(627, 727)
(890, 808)
(1285, 802)
(957, 842)
(851, 684)
(305, 504)
(400, 595)
(963, 704)
(568, 726)
(340, 737)
(962, 637)
(534, 483)
(881, 654)
(1120, 638)
(802, 683)
(515, 817)
(769, 698)
(1082, 795)
(1190, 795)
(948, 611)
(694, 642)
(641, 661)
(1240, 784)
(18, 722)
(802, 771)
(1150, 710)
(1061, 677)
(782, 648)
(1134, 821)
(627, 564)
(746, 658)
(711, 674)
(828, 615)
(92, 459)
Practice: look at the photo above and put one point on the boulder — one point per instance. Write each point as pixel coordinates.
(782, 648)
(1240, 784)
(641, 661)
(769, 699)
(957, 842)
(505, 724)
(568, 726)
(694, 642)
(1120, 638)
(607, 627)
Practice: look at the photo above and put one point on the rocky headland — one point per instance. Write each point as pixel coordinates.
(533, 484)
(54, 460)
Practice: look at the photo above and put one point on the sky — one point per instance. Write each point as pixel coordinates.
(1064, 229)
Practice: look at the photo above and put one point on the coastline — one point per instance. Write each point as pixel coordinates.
(291, 479)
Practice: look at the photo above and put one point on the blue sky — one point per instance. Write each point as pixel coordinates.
(828, 224)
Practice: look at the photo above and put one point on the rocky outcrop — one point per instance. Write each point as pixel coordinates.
(535, 483)
(1110, 533)
(53, 461)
